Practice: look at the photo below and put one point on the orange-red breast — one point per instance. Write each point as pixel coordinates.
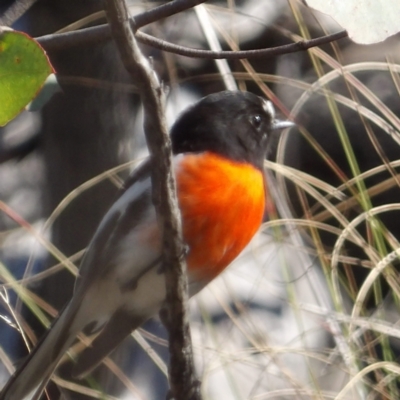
(219, 147)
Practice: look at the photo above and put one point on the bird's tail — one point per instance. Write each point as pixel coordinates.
(31, 378)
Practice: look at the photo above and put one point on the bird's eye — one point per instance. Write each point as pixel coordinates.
(256, 120)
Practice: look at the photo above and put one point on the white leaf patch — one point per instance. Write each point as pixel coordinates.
(366, 21)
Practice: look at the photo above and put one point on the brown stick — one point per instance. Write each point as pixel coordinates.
(181, 373)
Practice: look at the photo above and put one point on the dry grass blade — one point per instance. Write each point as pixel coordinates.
(213, 42)
(389, 366)
(150, 352)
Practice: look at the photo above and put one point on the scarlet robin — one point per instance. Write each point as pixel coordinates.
(219, 147)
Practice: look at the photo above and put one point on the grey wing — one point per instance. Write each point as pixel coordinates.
(117, 329)
(130, 209)
(123, 258)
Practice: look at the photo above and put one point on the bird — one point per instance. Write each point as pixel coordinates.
(219, 145)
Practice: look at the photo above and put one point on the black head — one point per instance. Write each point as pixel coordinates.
(237, 125)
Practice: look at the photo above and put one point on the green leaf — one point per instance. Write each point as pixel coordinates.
(24, 68)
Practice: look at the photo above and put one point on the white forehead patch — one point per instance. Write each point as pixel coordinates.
(269, 108)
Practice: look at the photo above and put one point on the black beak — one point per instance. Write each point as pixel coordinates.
(276, 124)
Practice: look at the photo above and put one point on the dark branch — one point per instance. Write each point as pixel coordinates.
(238, 55)
(16, 10)
(182, 382)
(82, 37)
(98, 34)
(163, 11)
(101, 33)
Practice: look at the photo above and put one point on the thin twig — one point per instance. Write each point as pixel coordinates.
(182, 379)
(238, 55)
